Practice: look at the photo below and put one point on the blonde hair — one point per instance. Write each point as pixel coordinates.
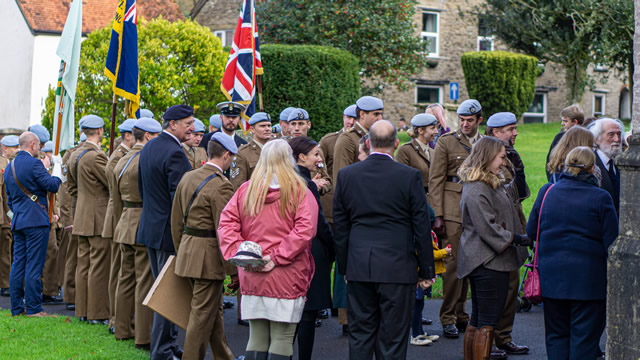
(574, 137)
(438, 111)
(276, 159)
(476, 166)
(579, 159)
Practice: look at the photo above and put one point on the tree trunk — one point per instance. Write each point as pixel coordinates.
(575, 76)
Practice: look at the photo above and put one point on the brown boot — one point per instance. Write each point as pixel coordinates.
(482, 342)
(468, 342)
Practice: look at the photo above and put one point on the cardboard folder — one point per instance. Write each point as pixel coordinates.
(170, 295)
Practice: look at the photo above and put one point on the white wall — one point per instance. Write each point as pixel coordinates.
(16, 41)
(45, 68)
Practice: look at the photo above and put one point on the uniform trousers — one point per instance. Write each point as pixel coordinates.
(206, 322)
(92, 278)
(573, 328)
(454, 290)
(502, 333)
(5, 256)
(134, 282)
(379, 319)
(49, 274)
(114, 271)
(70, 265)
(29, 252)
(63, 244)
(164, 334)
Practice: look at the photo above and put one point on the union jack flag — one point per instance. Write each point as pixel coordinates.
(244, 64)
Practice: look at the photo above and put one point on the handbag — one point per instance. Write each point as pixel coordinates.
(532, 290)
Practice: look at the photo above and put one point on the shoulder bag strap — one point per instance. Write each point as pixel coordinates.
(535, 255)
(195, 194)
(29, 194)
(78, 161)
(127, 164)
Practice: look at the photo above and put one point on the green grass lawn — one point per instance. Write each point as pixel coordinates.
(60, 338)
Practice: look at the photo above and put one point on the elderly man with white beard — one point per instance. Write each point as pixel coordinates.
(609, 134)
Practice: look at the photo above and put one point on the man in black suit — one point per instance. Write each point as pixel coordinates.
(609, 134)
(383, 243)
(229, 118)
(161, 166)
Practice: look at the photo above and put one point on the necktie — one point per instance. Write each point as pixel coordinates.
(612, 173)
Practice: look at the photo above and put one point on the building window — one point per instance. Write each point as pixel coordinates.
(599, 104)
(537, 112)
(485, 36)
(430, 31)
(222, 35)
(428, 94)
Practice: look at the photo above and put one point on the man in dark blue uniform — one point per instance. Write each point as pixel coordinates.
(161, 166)
(229, 118)
(27, 183)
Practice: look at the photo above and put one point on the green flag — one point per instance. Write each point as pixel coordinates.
(69, 52)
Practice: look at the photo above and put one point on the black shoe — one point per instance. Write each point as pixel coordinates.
(462, 326)
(323, 314)
(82, 318)
(112, 330)
(227, 304)
(178, 353)
(51, 300)
(450, 331)
(146, 347)
(345, 330)
(70, 306)
(513, 349)
(4, 292)
(99, 322)
(334, 312)
(243, 322)
(427, 321)
(318, 323)
(497, 354)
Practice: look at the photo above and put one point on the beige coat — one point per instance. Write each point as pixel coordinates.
(345, 151)
(200, 155)
(244, 163)
(126, 189)
(411, 154)
(92, 190)
(110, 220)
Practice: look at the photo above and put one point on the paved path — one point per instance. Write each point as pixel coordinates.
(330, 344)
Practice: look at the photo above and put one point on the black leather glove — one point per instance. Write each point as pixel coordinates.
(521, 240)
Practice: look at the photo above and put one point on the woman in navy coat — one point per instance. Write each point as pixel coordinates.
(578, 223)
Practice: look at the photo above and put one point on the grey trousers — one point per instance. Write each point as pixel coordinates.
(164, 334)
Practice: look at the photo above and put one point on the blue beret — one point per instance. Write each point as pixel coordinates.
(423, 120)
(148, 125)
(469, 107)
(10, 141)
(215, 121)
(83, 137)
(198, 125)
(258, 117)
(91, 122)
(369, 103)
(48, 147)
(284, 115)
(41, 132)
(501, 119)
(276, 128)
(177, 112)
(127, 125)
(350, 111)
(231, 108)
(146, 113)
(298, 114)
(225, 141)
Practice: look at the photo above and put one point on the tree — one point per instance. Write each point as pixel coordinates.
(180, 63)
(381, 33)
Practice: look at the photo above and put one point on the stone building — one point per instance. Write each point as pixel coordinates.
(451, 35)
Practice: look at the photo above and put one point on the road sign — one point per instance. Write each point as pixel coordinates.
(453, 91)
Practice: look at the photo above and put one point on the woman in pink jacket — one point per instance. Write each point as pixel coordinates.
(276, 210)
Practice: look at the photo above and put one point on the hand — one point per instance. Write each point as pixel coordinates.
(57, 171)
(46, 162)
(521, 240)
(57, 159)
(56, 218)
(68, 228)
(235, 283)
(439, 227)
(269, 265)
(320, 182)
(425, 284)
(448, 249)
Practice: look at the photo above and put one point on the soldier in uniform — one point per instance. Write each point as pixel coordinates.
(196, 155)
(200, 197)
(92, 272)
(134, 278)
(229, 118)
(214, 123)
(9, 147)
(284, 124)
(444, 197)
(504, 127)
(417, 152)
(245, 161)
(110, 219)
(368, 110)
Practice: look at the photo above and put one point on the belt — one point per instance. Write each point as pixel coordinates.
(200, 232)
(454, 179)
(131, 204)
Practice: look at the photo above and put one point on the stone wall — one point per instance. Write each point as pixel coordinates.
(219, 14)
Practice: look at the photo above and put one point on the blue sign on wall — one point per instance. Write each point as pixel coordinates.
(453, 91)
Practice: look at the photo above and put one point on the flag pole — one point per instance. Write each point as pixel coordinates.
(113, 123)
(260, 92)
(57, 131)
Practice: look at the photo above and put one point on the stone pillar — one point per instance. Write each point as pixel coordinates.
(623, 294)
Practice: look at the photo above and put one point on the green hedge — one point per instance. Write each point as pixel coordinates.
(319, 79)
(501, 81)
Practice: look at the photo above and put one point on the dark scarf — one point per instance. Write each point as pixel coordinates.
(584, 177)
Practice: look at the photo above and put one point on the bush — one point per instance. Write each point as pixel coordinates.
(319, 79)
(501, 81)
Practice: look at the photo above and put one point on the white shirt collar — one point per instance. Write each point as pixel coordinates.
(381, 153)
(125, 146)
(605, 160)
(362, 127)
(173, 136)
(214, 165)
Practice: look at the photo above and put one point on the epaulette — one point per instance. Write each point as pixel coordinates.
(448, 133)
